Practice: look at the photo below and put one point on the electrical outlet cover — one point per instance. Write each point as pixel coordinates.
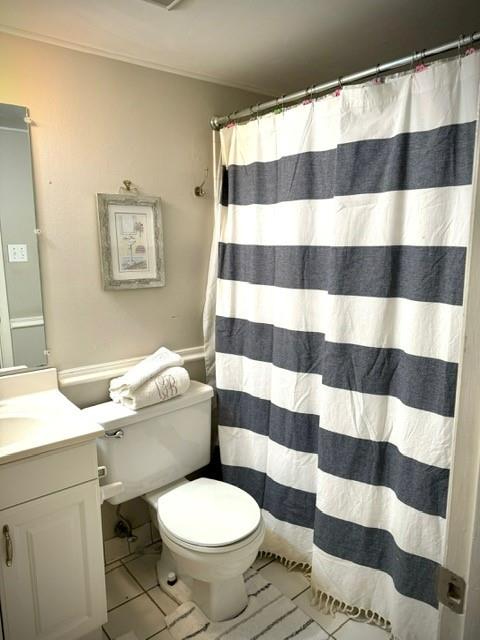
(17, 253)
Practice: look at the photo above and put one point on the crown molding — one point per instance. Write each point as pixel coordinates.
(114, 55)
(108, 370)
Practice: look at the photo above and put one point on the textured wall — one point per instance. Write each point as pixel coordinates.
(96, 122)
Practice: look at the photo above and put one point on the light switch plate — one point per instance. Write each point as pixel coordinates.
(17, 253)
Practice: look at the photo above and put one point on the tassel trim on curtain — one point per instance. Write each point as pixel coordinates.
(329, 604)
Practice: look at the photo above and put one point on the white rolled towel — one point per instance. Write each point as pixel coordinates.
(169, 383)
(145, 370)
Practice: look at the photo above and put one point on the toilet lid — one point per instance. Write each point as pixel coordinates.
(208, 513)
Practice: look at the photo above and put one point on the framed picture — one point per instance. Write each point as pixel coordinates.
(131, 241)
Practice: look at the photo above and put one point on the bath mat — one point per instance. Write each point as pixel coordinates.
(269, 615)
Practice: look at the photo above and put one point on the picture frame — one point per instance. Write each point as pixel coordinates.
(131, 241)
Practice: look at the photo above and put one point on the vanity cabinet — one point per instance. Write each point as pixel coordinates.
(52, 583)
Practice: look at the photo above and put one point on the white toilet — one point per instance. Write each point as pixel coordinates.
(211, 530)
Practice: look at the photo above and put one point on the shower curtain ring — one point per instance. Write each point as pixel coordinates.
(420, 66)
(309, 99)
(459, 45)
(469, 48)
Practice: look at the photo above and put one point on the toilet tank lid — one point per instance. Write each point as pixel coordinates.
(112, 414)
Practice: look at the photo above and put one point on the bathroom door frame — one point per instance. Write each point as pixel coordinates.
(462, 552)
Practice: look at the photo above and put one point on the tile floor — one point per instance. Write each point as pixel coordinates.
(136, 603)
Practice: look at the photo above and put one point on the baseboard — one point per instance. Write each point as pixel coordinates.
(108, 370)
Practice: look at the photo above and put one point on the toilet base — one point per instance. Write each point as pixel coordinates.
(220, 600)
(181, 591)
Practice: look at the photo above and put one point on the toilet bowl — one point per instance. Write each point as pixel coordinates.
(211, 532)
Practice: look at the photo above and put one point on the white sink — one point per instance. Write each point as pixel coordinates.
(14, 428)
(35, 417)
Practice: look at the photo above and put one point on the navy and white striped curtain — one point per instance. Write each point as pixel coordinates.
(343, 238)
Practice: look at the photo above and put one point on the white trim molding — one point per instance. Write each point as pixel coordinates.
(108, 370)
(27, 321)
(115, 55)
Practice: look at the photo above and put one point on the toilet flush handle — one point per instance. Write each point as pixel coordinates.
(115, 434)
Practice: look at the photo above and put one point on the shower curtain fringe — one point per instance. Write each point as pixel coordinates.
(290, 564)
(327, 603)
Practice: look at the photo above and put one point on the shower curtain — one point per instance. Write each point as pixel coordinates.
(342, 237)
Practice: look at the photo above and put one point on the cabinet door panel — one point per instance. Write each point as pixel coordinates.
(55, 588)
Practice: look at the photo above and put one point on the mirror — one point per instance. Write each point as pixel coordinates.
(22, 330)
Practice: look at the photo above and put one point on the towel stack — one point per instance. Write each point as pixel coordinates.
(158, 377)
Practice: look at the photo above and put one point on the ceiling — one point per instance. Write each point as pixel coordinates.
(269, 46)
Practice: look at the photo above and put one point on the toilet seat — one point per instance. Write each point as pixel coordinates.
(209, 515)
(168, 538)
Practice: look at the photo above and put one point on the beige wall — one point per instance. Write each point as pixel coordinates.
(96, 122)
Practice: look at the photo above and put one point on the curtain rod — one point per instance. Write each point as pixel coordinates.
(218, 122)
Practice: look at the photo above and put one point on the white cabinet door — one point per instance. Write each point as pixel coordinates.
(54, 588)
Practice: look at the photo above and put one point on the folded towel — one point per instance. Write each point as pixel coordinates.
(169, 383)
(146, 369)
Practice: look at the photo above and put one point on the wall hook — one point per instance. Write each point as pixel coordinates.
(200, 191)
(128, 187)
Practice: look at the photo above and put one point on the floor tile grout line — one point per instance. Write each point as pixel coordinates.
(155, 603)
(154, 634)
(343, 624)
(115, 569)
(299, 594)
(135, 579)
(307, 614)
(125, 602)
(269, 561)
(332, 633)
(145, 591)
(137, 554)
(128, 599)
(111, 569)
(108, 636)
(131, 600)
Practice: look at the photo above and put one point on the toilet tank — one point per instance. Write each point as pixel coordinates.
(154, 446)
